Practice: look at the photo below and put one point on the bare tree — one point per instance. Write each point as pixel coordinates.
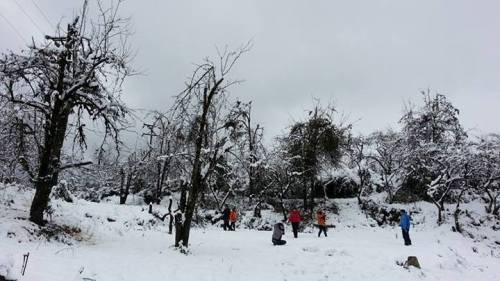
(77, 73)
(359, 161)
(281, 177)
(164, 149)
(251, 147)
(386, 153)
(452, 168)
(199, 109)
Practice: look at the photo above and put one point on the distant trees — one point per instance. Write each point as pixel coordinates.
(386, 154)
(280, 177)
(250, 149)
(165, 142)
(57, 84)
(450, 168)
(16, 149)
(431, 158)
(313, 144)
(130, 172)
(487, 172)
(356, 155)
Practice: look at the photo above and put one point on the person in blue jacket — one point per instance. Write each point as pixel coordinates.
(404, 222)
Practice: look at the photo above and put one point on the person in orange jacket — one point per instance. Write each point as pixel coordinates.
(233, 217)
(321, 218)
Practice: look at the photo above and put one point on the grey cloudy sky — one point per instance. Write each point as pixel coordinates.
(368, 57)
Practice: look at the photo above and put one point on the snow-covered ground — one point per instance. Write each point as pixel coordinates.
(125, 243)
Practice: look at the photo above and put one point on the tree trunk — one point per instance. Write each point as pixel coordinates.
(250, 183)
(125, 191)
(496, 206)
(191, 202)
(122, 183)
(159, 182)
(360, 193)
(182, 200)
(48, 171)
(283, 209)
(171, 217)
(256, 210)
(456, 215)
(164, 172)
(252, 158)
(40, 200)
(489, 208)
(304, 194)
(311, 198)
(440, 213)
(388, 187)
(178, 229)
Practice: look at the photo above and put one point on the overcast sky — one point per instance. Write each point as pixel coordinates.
(368, 57)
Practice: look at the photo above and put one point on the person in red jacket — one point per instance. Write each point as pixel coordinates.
(233, 217)
(294, 218)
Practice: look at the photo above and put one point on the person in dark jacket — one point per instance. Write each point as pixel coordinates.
(404, 223)
(294, 218)
(225, 217)
(278, 232)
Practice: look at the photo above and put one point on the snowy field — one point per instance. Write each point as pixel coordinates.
(130, 247)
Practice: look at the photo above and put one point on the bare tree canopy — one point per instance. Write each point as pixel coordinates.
(76, 73)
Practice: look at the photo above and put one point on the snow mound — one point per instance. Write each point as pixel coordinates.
(80, 221)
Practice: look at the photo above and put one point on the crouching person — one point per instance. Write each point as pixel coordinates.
(278, 232)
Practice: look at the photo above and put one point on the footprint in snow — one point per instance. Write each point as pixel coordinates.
(330, 252)
(310, 249)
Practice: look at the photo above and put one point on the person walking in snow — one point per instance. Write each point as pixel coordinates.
(233, 217)
(321, 218)
(404, 223)
(294, 218)
(278, 232)
(225, 218)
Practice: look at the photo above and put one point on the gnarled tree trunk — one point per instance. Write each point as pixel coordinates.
(48, 171)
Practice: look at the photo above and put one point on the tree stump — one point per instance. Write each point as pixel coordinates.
(412, 261)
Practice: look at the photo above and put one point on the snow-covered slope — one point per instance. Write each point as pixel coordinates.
(123, 243)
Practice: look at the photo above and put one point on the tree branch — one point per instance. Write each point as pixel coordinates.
(75, 165)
